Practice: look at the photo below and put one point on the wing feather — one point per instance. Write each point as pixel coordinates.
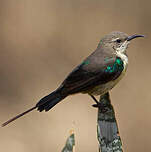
(83, 78)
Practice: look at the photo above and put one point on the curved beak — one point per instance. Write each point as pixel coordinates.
(134, 36)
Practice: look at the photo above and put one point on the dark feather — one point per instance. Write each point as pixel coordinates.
(84, 77)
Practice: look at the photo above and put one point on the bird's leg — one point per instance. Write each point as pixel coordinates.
(95, 100)
(98, 104)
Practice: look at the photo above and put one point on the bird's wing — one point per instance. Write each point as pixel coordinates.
(83, 77)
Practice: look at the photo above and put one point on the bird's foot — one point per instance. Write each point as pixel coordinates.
(97, 105)
(100, 106)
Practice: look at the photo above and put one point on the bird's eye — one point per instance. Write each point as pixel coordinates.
(118, 40)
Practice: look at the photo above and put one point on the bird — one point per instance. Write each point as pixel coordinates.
(96, 75)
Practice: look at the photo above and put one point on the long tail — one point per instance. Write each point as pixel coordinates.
(49, 101)
(18, 116)
(45, 103)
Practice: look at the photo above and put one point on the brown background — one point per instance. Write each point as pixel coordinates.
(41, 41)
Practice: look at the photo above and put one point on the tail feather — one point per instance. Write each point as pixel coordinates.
(45, 103)
(49, 101)
(18, 116)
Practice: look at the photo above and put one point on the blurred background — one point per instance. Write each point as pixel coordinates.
(41, 42)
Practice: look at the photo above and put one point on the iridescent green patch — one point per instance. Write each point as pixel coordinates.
(86, 62)
(118, 61)
(117, 66)
(108, 68)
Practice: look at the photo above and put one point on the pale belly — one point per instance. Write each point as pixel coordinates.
(104, 88)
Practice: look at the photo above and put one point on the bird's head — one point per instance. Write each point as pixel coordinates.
(117, 41)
